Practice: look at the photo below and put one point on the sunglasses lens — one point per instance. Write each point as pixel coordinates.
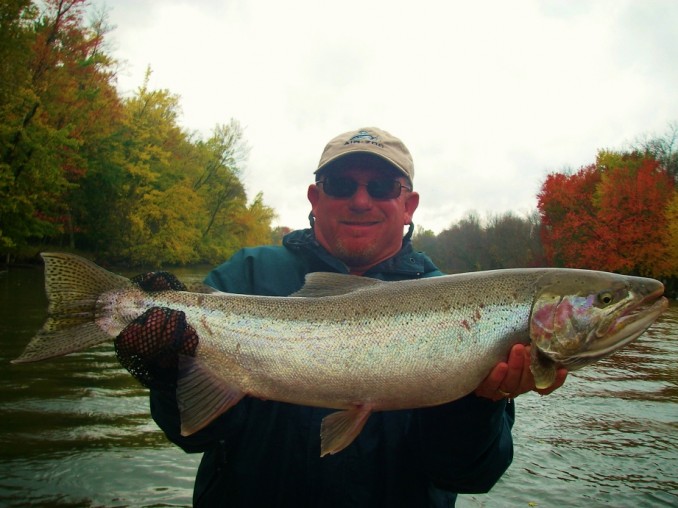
(343, 188)
(384, 189)
(340, 187)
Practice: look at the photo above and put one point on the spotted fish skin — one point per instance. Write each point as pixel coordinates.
(353, 343)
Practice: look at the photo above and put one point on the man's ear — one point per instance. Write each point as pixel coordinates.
(411, 204)
(313, 194)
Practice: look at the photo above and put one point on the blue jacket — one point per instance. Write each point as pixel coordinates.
(267, 453)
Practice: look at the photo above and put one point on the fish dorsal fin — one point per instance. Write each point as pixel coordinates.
(319, 284)
(199, 287)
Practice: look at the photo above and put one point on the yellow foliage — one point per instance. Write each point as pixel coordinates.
(672, 223)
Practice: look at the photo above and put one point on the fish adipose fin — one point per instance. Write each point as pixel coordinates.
(339, 429)
(73, 286)
(201, 395)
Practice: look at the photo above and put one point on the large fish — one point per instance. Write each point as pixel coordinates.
(354, 343)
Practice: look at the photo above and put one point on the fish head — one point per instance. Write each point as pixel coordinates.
(580, 316)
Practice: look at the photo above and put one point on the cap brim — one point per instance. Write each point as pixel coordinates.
(358, 151)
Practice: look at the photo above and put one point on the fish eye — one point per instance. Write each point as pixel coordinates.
(605, 298)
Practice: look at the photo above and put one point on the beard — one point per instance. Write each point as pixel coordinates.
(359, 254)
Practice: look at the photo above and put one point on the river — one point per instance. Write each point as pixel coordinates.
(76, 431)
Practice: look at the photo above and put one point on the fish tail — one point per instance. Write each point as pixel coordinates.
(73, 286)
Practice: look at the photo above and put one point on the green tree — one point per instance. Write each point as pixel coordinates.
(463, 246)
(228, 223)
(513, 242)
(425, 240)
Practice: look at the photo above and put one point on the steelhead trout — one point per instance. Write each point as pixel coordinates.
(353, 343)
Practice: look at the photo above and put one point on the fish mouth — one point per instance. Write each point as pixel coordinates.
(635, 319)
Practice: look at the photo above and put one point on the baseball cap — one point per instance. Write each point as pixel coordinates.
(370, 140)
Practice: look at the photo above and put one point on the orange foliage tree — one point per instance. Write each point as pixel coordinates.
(568, 213)
(611, 216)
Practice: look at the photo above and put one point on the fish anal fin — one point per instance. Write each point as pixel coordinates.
(201, 395)
(338, 430)
(542, 367)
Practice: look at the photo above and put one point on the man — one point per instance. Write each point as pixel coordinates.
(267, 453)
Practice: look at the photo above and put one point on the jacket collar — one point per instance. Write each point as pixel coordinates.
(406, 263)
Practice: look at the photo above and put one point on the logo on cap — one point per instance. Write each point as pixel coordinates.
(365, 137)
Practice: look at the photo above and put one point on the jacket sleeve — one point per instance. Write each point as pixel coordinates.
(465, 446)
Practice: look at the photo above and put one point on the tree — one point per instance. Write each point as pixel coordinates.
(662, 148)
(632, 198)
(426, 241)
(155, 157)
(163, 228)
(218, 179)
(513, 242)
(672, 236)
(463, 247)
(609, 216)
(568, 215)
(60, 81)
(78, 165)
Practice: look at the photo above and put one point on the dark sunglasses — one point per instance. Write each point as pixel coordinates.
(343, 188)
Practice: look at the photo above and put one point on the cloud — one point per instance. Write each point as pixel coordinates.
(488, 95)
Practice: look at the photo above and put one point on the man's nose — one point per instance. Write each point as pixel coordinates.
(361, 198)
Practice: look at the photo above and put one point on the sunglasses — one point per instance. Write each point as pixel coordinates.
(343, 188)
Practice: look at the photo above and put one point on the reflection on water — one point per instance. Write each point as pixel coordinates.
(608, 437)
(76, 431)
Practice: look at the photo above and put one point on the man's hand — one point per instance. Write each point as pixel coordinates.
(149, 347)
(509, 379)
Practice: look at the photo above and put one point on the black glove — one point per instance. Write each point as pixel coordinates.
(149, 347)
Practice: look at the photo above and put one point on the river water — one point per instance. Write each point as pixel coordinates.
(76, 431)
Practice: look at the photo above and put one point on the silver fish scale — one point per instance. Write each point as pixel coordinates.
(353, 342)
(407, 348)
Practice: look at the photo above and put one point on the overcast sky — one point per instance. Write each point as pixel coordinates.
(489, 96)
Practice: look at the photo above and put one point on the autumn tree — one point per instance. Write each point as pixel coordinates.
(152, 212)
(61, 85)
(609, 216)
(173, 197)
(568, 215)
(18, 173)
(82, 168)
(663, 148)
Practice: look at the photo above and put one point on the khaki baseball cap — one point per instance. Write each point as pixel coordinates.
(369, 140)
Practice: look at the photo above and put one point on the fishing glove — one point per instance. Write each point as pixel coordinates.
(149, 347)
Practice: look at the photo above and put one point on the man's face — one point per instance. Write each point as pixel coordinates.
(360, 230)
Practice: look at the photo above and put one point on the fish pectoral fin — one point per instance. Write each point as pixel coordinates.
(201, 395)
(339, 429)
(542, 367)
